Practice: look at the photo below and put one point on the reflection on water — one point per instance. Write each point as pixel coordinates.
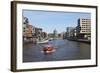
(64, 50)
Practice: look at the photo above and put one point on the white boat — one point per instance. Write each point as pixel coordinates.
(41, 42)
(50, 39)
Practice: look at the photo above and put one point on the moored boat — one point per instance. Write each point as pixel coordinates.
(41, 42)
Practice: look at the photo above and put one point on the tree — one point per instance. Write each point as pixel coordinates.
(26, 21)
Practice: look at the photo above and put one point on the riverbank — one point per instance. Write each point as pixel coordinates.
(80, 40)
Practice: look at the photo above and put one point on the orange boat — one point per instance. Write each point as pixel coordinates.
(48, 49)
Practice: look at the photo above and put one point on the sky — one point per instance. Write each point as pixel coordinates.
(51, 20)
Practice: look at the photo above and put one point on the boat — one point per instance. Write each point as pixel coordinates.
(48, 49)
(42, 42)
(50, 39)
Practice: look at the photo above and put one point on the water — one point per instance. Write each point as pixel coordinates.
(64, 50)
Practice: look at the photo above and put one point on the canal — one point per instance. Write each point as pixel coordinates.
(64, 50)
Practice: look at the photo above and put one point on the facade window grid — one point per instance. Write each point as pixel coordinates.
(85, 27)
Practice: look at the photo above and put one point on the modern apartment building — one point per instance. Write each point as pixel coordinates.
(83, 28)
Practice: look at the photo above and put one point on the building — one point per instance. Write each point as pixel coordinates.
(70, 32)
(38, 33)
(50, 35)
(28, 33)
(61, 35)
(83, 28)
(28, 30)
(44, 35)
(25, 23)
(73, 32)
(55, 35)
(31, 33)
